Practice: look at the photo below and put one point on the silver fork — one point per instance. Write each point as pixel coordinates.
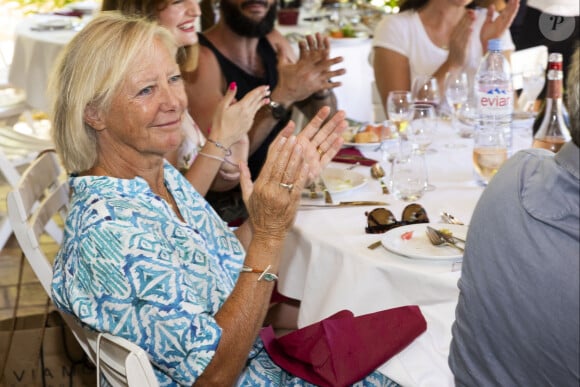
(438, 239)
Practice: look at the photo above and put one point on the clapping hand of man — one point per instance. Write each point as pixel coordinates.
(311, 73)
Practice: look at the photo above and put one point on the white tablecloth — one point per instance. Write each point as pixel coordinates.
(328, 267)
(35, 53)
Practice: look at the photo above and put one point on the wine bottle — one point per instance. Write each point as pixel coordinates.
(554, 63)
(553, 131)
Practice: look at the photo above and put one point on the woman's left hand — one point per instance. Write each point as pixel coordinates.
(493, 29)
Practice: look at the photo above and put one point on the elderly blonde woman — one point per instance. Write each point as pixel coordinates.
(144, 256)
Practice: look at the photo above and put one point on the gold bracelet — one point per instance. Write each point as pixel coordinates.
(264, 274)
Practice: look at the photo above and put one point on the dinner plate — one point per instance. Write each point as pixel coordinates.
(368, 146)
(419, 247)
(348, 41)
(340, 181)
(51, 24)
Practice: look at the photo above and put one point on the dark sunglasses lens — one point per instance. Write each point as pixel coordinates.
(380, 220)
(414, 213)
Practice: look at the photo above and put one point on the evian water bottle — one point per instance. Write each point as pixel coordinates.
(494, 92)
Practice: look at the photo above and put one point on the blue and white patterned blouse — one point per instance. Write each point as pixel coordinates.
(129, 266)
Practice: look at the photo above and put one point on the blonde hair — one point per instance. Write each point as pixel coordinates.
(89, 72)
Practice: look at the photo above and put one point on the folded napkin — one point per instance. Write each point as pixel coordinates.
(342, 349)
(352, 155)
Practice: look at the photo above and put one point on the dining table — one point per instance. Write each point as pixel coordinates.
(328, 266)
(38, 40)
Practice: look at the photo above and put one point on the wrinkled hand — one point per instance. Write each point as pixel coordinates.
(272, 207)
(493, 29)
(459, 39)
(322, 144)
(232, 120)
(311, 73)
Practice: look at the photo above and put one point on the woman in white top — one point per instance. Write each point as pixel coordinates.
(433, 37)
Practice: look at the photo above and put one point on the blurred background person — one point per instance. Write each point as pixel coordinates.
(518, 316)
(144, 255)
(433, 37)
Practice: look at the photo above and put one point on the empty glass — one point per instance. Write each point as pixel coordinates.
(489, 153)
(408, 176)
(456, 89)
(426, 90)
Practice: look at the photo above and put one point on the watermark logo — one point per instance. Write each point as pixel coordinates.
(556, 28)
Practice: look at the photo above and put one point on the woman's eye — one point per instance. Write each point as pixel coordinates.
(146, 91)
(175, 78)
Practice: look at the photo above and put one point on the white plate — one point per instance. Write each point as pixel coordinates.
(419, 247)
(347, 41)
(368, 146)
(340, 181)
(56, 23)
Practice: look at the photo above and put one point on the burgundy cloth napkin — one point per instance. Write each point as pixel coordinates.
(351, 155)
(342, 349)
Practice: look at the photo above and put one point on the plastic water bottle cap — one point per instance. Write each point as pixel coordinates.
(494, 45)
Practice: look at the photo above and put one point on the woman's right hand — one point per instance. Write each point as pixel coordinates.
(459, 40)
(233, 119)
(273, 199)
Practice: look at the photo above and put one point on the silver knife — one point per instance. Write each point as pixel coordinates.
(345, 204)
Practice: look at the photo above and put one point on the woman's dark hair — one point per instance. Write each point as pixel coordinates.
(412, 4)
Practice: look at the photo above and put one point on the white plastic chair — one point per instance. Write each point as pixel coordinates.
(40, 196)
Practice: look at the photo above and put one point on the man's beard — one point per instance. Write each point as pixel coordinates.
(245, 26)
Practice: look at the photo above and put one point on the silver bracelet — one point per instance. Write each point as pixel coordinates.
(227, 151)
(223, 160)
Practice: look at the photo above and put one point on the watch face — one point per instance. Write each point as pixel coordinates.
(278, 111)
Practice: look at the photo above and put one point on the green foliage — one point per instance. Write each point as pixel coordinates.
(43, 5)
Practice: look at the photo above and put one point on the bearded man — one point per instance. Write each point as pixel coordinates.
(243, 47)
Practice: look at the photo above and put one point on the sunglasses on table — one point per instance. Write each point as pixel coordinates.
(381, 220)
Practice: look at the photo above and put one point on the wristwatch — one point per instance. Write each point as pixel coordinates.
(278, 111)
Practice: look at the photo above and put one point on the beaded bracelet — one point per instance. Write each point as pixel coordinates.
(227, 151)
(264, 274)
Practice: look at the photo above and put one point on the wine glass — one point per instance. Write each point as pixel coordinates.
(421, 133)
(456, 89)
(311, 7)
(426, 90)
(399, 104)
(489, 153)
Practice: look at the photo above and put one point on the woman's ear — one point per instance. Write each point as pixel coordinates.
(92, 116)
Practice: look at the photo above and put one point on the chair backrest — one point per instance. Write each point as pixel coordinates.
(41, 196)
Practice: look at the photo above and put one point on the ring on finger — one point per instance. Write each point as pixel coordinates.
(320, 151)
(287, 186)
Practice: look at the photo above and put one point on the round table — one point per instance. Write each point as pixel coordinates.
(35, 53)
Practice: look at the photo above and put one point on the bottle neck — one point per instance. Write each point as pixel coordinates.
(554, 91)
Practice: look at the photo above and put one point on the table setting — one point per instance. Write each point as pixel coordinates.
(330, 261)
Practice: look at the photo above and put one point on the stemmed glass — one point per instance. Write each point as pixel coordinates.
(399, 109)
(426, 90)
(311, 7)
(456, 89)
(422, 133)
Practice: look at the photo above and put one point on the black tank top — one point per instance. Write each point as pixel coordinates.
(247, 82)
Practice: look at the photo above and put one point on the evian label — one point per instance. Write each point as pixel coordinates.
(495, 101)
